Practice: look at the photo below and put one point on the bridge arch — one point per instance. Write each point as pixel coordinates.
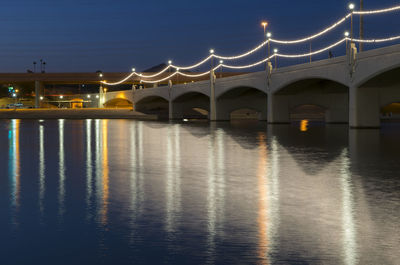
(242, 98)
(118, 103)
(328, 94)
(190, 105)
(381, 89)
(153, 105)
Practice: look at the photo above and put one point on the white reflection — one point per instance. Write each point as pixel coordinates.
(273, 194)
(89, 169)
(14, 160)
(61, 168)
(173, 185)
(349, 227)
(216, 187)
(42, 177)
(268, 204)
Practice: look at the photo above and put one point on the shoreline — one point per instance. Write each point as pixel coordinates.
(74, 114)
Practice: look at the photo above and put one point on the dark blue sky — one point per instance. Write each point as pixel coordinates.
(87, 35)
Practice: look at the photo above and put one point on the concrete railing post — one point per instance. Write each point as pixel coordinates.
(101, 95)
(213, 103)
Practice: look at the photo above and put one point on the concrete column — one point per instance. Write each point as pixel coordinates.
(364, 107)
(278, 109)
(101, 100)
(38, 93)
(213, 102)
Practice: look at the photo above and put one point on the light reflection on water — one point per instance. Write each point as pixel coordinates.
(128, 192)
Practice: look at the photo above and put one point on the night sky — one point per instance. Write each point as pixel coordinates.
(88, 35)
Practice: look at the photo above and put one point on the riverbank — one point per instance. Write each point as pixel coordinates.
(74, 114)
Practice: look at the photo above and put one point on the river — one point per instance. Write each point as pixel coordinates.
(135, 192)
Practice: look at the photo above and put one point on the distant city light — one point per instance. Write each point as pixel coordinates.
(97, 96)
(14, 95)
(88, 96)
(61, 97)
(41, 98)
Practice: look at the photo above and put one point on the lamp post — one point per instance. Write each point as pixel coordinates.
(346, 34)
(361, 25)
(351, 7)
(269, 35)
(264, 24)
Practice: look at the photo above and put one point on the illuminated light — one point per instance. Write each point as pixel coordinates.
(16, 90)
(312, 53)
(371, 12)
(157, 74)
(41, 98)
(269, 35)
(249, 65)
(221, 61)
(101, 75)
(212, 51)
(304, 125)
(352, 6)
(119, 82)
(88, 96)
(185, 120)
(242, 55)
(169, 62)
(195, 65)
(346, 34)
(264, 24)
(133, 69)
(14, 95)
(61, 97)
(338, 23)
(97, 96)
(376, 40)
(275, 50)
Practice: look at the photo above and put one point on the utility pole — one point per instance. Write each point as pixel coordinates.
(361, 25)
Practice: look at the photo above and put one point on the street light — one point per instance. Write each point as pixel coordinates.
(275, 52)
(264, 24)
(133, 70)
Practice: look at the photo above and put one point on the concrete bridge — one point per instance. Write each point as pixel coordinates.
(350, 89)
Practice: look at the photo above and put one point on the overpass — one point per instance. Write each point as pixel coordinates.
(351, 89)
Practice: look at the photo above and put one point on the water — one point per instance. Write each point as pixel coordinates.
(130, 192)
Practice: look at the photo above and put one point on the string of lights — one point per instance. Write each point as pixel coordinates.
(249, 65)
(376, 40)
(313, 36)
(270, 40)
(242, 55)
(311, 53)
(119, 82)
(372, 12)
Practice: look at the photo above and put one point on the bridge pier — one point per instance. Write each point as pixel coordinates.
(278, 109)
(364, 108)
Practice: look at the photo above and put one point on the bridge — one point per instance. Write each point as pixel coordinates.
(349, 90)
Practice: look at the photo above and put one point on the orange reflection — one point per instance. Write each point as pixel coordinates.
(304, 125)
(263, 200)
(105, 178)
